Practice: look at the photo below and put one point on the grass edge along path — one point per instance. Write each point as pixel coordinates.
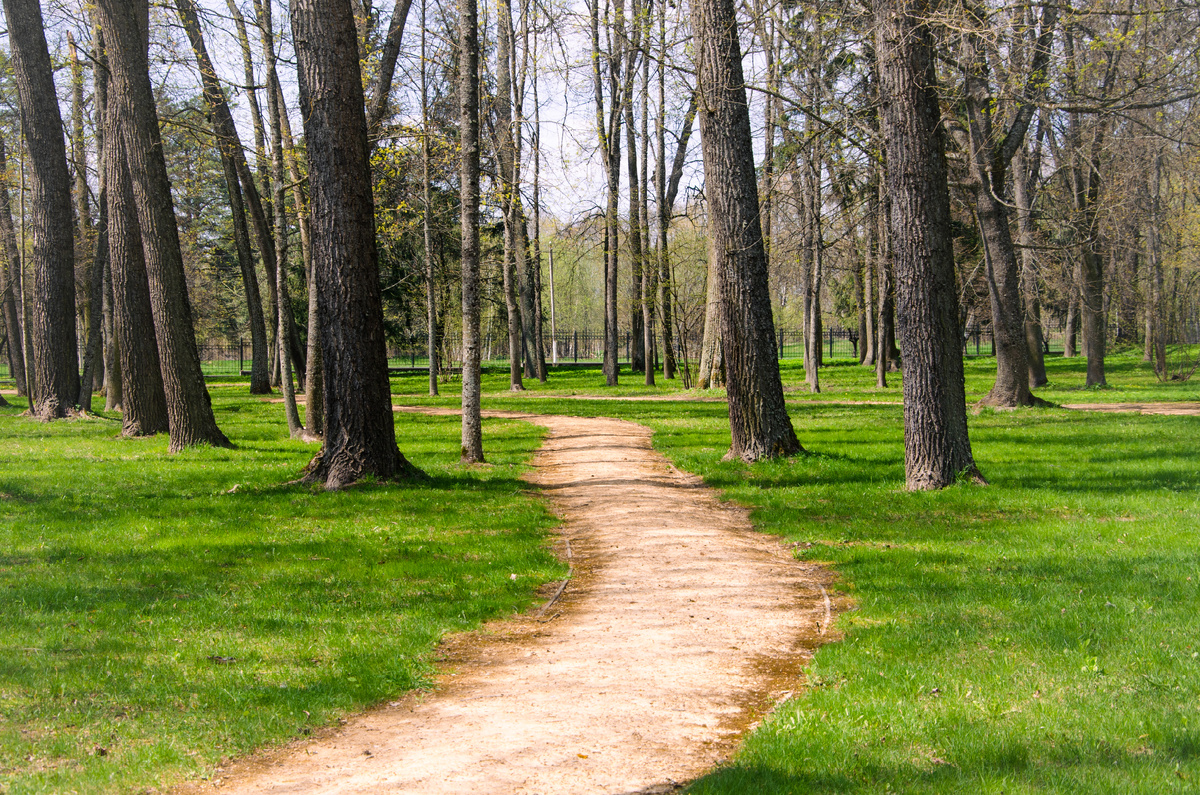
(162, 612)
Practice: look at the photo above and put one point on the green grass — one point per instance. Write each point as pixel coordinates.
(1038, 635)
(154, 620)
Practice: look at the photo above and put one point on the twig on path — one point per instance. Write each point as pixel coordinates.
(554, 598)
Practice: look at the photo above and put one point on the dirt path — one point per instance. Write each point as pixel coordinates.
(1188, 409)
(679, 628)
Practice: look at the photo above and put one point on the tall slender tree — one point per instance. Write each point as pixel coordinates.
(9, 277)
(55, 363)
(360, 433)
(468, 111)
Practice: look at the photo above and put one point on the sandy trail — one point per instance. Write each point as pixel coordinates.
(679, 628)
(1185, 409)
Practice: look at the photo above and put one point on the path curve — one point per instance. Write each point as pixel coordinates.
(679, 628)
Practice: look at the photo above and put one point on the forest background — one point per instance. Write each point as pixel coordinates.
(1073, 168)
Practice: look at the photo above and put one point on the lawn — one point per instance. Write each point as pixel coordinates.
(1041, 634)
(160, 612)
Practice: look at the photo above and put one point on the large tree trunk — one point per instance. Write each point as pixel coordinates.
(758, 419)
(230, 147)
(468, 109)
(188, 405)
(56, 362)
(143, 399)
(9, 273)
(936, 447)
(360, 433)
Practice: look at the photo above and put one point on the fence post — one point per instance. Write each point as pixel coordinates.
(628, 336)
(780, 343)
(575, 345)
(241, 356)
(831, 342)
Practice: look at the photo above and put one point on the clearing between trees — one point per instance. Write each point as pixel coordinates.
(678, 629)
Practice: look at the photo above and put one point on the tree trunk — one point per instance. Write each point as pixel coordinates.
(1008, 328)
(758, 419)
(56, 362)
(608, 132)
(539, 340)
(275, 112)
(360, 433)
(259, 214)
(387, 66)
(886, 353)
(711, 372)
(509, 201)
(11, 269)
(92, 299)
(430, 303)
(188, 405)
(143, 399)
(114, 382)
(1070, 341)
(314, 381)
(1026, 169)
(870, 270)
(230, 147)
(936, 447)
(468, 110)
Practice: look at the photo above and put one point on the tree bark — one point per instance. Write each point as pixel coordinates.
(468, 110)
(55, 363)
(188, 404)
(758, 419)
(936, 446)
(1026, 168)
(143, 398)
(92, 299)
(360, 433)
